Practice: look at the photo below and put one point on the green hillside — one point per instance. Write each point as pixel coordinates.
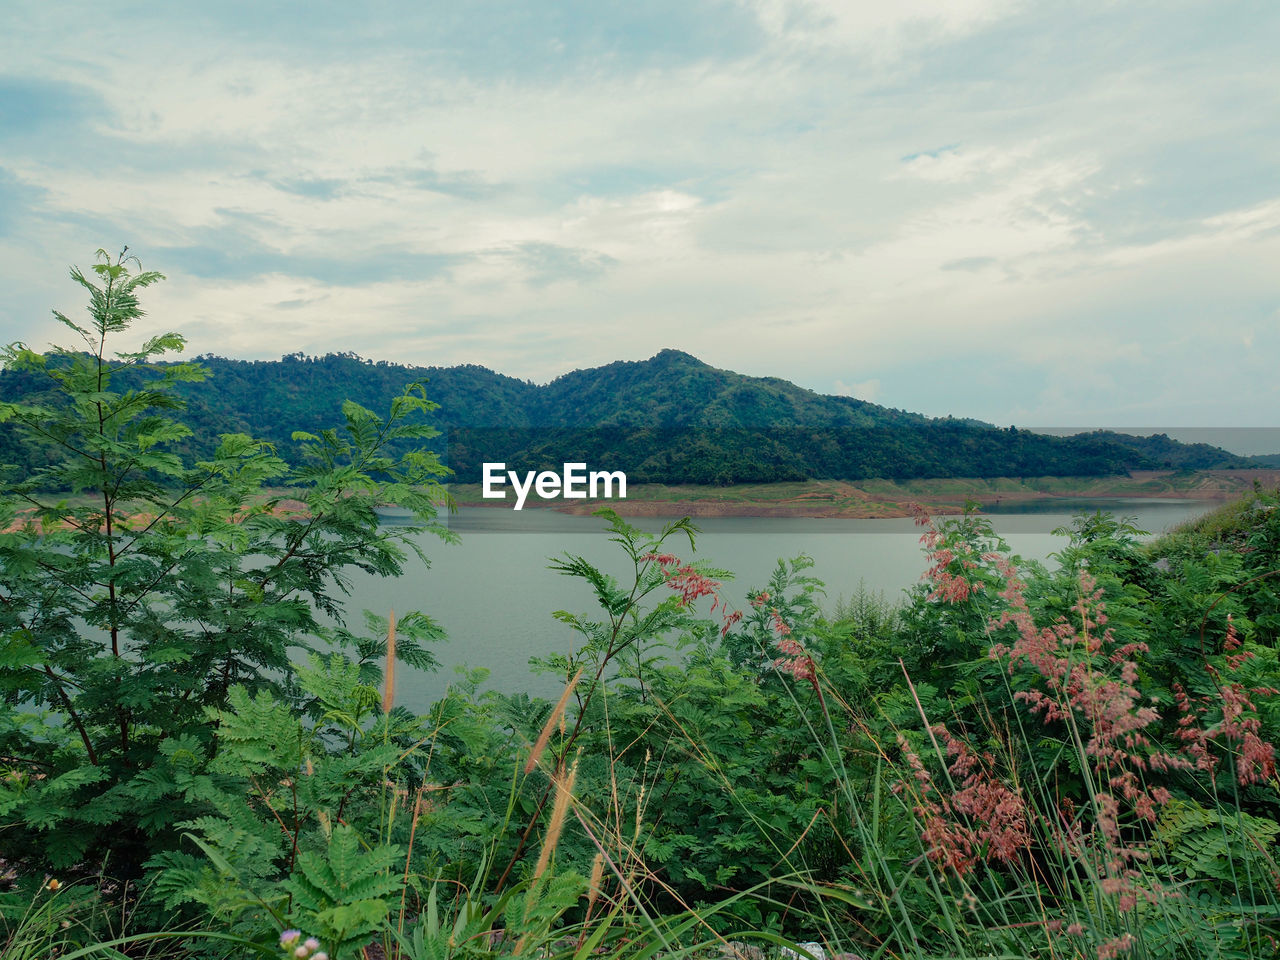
(669, 419)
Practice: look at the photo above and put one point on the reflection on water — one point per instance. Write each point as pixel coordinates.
(494, 595)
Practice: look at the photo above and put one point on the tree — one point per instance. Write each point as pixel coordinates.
(132, 603)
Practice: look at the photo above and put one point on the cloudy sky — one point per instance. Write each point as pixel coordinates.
(1030, 213)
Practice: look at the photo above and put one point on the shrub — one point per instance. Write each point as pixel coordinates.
(133, 605)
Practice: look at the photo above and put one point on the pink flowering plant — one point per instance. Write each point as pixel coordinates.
(294, 946)
(1081, 779)
(777, 635)
(1016, 762)
(948, 612)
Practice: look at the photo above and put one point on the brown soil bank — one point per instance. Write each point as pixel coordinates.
(893, 498)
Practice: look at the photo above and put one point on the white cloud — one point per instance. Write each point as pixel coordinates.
(879, 181)
(957, 165)
(884, 27)
(865, 390)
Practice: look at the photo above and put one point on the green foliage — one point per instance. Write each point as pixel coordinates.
(133, 605)
(343, 892)
(670, 419)
(183, 704)
(1123, 650)
(1213, 844)
(293, 800)
(434, 937)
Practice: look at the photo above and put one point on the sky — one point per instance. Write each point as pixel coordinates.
(1028, 213)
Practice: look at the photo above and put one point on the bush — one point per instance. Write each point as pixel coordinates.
(135, 604)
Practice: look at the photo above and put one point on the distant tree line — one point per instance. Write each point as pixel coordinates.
(670, 419)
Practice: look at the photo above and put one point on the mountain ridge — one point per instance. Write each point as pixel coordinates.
(671, 418)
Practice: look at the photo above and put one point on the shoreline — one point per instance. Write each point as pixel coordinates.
(879, 499)
(844, 500)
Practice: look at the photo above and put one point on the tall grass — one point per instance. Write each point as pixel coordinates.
(1042, 820)
(1058, 811)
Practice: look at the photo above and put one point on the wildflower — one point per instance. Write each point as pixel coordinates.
(1240, 723)
(1113, 948)
(661, 559)
(683, 578)
(320, 955)
(1087, 677)
(300, 952)
(1231, 644)
(54, 885)
(312, 944)
(980, 818)
(798, 663)
(289, 937)
(691, 585)
(950, 568)
(729, 620)
(780, 626)
(1072, 662)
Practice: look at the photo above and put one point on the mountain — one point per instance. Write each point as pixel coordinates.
(671, 419)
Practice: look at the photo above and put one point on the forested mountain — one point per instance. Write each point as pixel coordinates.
(671, 419)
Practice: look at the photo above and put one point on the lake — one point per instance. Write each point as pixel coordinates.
(493, 594)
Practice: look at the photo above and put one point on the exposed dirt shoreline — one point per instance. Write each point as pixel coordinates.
(885, 498)
(822, 499)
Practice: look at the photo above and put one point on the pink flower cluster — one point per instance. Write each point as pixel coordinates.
(951, 568)
(1085, 679)
(980, 818)
(1090, 682)
(1255, 759)
(295, 948)
(797, 661)
(685, 580)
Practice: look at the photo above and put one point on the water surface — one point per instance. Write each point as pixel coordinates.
(494, 595)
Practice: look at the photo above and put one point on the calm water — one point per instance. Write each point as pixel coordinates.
(494, 595)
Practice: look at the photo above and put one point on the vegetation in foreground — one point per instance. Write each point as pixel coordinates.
(1016, 762)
